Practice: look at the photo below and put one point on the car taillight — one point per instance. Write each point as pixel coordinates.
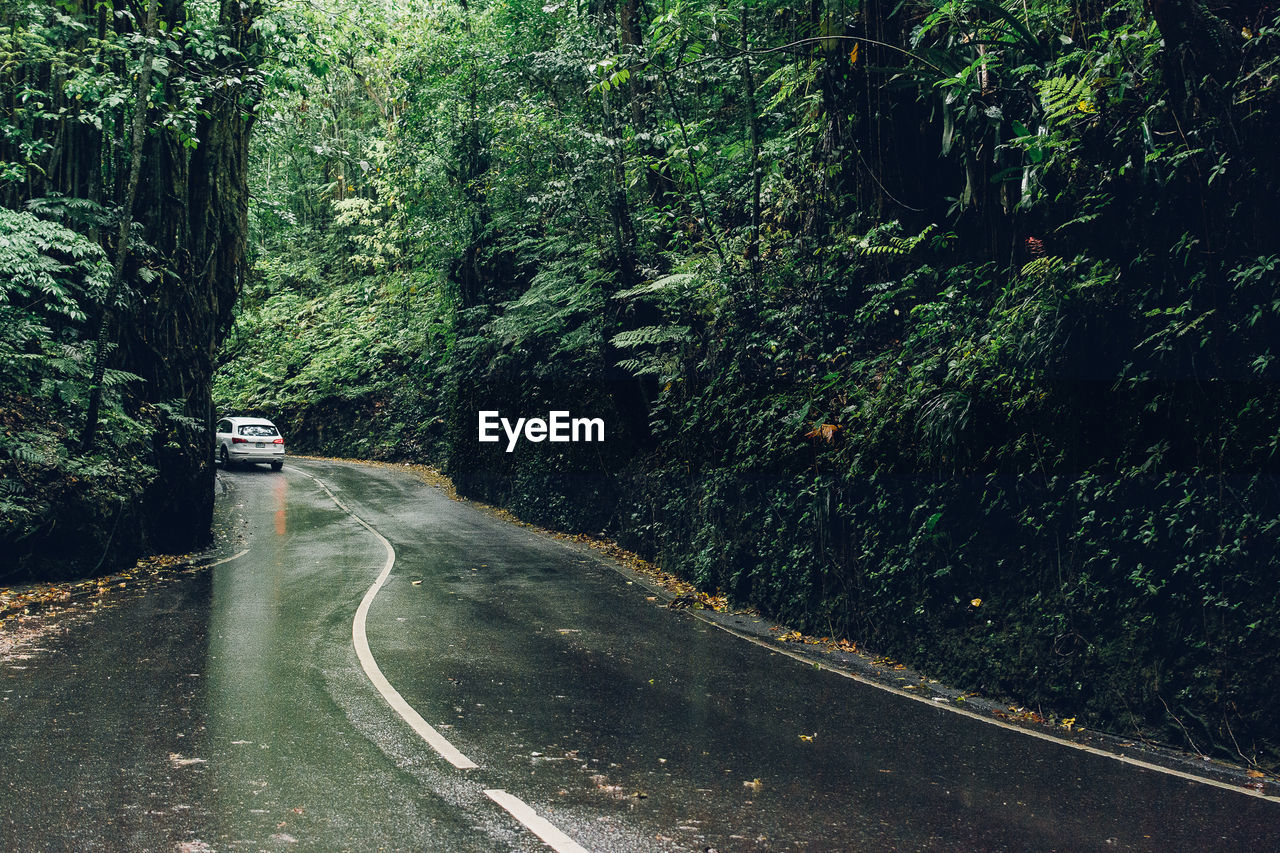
(235, 440)
(279, 441)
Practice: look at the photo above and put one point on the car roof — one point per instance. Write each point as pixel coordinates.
(242, 421)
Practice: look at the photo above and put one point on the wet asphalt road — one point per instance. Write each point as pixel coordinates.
(228, 711)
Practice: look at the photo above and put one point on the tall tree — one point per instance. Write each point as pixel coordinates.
(131, 124)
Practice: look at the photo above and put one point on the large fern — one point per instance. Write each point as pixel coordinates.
(563, 295)
(898, 245)
(1043, 267)
(658, 287)
(1065, 98)
(649, 336)
(28, 448)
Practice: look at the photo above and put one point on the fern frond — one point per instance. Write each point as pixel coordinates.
(28, 454)
(643, 367)
(649, 336)
(650, 288)
(1065, 98)
(899, 246)
(1044, 266)
(116, 378)
(887, 249)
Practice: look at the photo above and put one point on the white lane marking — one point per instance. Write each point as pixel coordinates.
(992, 721)
(539, 826)
(223, 560)
(516, 807)
(392, 696)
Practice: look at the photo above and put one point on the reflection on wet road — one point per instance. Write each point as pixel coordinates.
(229, 711)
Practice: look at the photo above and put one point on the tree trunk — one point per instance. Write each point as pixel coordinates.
(140, 110)
(177, 328)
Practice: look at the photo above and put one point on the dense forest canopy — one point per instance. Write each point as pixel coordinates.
(946, 326)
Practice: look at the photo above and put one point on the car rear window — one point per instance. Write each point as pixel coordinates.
(258, 430)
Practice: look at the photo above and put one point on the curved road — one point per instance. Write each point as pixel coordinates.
(232, 711)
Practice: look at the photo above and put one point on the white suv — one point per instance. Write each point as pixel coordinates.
(249, 440)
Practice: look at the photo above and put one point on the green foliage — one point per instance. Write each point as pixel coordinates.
(895, 245)
(72, 327)
(345, 354)
(648, 336)
(51, 278)
(1065, 98)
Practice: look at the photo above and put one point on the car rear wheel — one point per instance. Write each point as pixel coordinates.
(226, 460)
(276, 466)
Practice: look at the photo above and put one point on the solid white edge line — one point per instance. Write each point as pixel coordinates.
(965, 712)
(539, 826)
(223, 560)
(392, 696)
